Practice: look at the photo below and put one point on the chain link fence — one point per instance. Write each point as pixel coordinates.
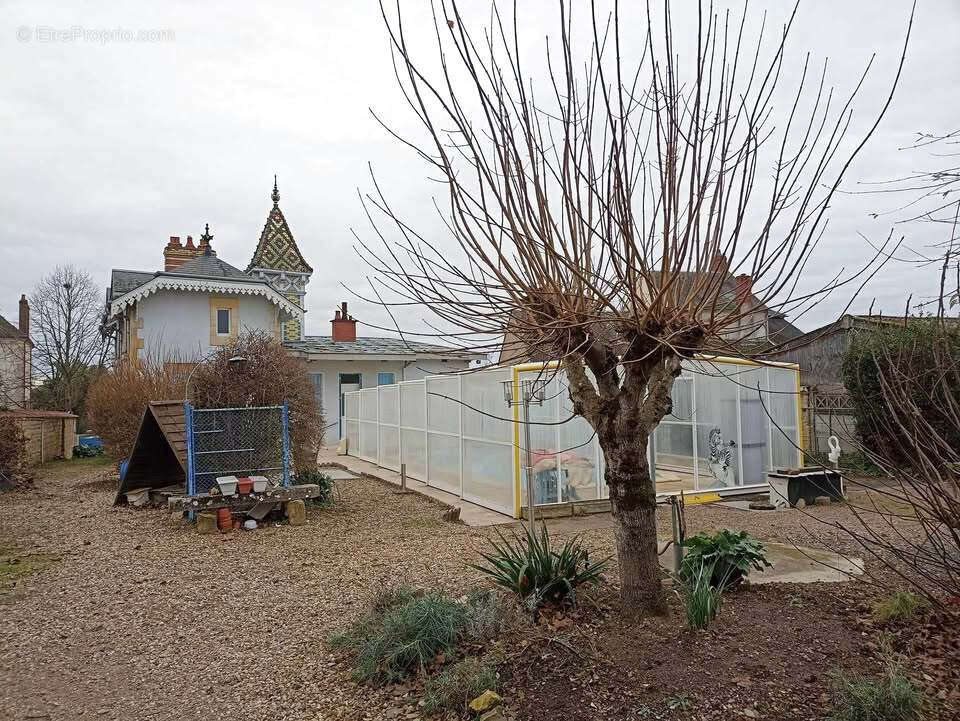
(236, 442)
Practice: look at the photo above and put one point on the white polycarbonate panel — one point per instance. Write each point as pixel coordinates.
(389, 404)
(674, 444)
(578, 459)
(368, 404)
(351, 405)
(443, 404)
(414, 453)
(486, 414)
(754, 425)
(390, 447)
(353, 438)
(717, 437)
(544, 440)
(682, 396)
(413, 411)
(488, 474)
(783, 411)
(368, 441)
(444, 459)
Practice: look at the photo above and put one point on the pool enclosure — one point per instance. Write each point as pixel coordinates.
(732, 422)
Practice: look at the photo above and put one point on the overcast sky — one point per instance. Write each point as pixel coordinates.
(109, 146)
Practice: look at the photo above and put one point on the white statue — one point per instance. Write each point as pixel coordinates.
(721, 457)
(834, 454)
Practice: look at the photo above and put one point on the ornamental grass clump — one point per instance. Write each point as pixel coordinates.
(730, 556)
(701, 597)
(889, 697)
(454, 687)
(405, 638)
(540, 575)
(899, 606)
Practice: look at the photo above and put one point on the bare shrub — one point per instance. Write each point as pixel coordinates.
(268, 376)
(913, 409)
(117, 399)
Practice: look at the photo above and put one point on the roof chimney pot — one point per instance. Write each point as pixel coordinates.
(343, 327)
(24, 315)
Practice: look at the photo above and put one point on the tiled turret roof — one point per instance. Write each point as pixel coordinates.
(277, 250)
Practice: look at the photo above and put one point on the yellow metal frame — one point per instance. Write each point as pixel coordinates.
(696, 496)
(517, 498)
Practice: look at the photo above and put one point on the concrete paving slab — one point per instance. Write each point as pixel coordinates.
(338, 474)
(470, 513)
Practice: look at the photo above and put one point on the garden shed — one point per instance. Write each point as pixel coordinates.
(733, 421)
(49, 434)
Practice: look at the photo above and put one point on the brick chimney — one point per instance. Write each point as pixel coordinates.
(24, 316)
(744, 287)
(719, 263)
(177, 253)
(343, 327)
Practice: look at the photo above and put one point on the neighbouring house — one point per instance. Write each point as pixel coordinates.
(343, 362)
(758, 327)
(199, 302)
(819, 353)
(16, 350)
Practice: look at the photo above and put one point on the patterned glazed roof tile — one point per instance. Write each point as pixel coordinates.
(374, 346)
(277, 250)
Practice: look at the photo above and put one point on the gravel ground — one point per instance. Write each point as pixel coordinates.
(142, 618)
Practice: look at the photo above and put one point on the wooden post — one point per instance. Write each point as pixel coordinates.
(403, 477)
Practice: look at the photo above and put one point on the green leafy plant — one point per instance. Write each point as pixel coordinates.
(403, 638)
(701, 598)
(899, 606)
(536, 572)
(891, 697)
(679, 702)
(454, 687)
(729, 555)
(317, 478)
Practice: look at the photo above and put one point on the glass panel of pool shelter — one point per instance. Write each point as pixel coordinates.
(457, 433)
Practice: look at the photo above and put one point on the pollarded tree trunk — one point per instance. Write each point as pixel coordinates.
(624, 407)
(634, 499)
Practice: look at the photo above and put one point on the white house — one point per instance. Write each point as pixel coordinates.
(15, 359)
(198, 302)
(342, 362)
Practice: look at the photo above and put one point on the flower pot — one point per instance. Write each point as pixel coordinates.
(228, 485)
(244, 486)
(224, 519)
(259, 483)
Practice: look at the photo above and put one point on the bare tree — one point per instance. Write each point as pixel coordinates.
(67, 308)
(600, 214)
(931, 197)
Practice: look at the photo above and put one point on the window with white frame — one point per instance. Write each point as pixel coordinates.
(317, 380)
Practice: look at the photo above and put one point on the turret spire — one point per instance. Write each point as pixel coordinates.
(275, 195)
